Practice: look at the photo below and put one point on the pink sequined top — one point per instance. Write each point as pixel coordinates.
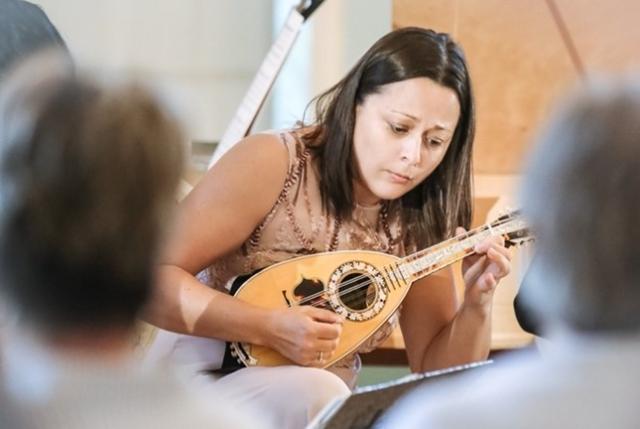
(296, 226)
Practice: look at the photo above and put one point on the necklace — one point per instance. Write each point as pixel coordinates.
(307, 240)
(373, 232)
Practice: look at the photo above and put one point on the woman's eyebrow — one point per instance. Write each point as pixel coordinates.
(415, 118)
(438, 127)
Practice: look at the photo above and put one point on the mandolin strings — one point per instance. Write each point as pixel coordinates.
(438, 253)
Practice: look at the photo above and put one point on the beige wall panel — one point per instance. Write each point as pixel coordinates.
(518, 63)
(437, 14)
(606, 33)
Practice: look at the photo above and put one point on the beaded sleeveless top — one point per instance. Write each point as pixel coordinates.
(296, 226)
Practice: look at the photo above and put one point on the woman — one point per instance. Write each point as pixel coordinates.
(386, 165)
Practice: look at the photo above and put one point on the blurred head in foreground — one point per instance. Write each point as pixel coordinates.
(88, 173)
(581, 193)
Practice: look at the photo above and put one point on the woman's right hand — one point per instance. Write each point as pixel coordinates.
(304, 334)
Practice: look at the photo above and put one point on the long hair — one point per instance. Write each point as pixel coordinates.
(442, 201)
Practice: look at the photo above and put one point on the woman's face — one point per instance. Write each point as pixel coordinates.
(401, 135)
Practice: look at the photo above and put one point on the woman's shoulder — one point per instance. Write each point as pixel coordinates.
(265, 144)
(258, 166)
(276, 147)
(259, 161)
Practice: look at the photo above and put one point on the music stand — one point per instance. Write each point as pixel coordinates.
(365, 405)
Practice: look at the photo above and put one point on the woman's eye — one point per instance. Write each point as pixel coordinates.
(398, 129)
(434, 142)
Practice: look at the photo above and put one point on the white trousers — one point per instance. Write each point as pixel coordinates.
(284, 397)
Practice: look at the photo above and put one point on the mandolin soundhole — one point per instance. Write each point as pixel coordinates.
(357, 291)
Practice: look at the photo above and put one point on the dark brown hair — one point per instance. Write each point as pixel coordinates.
(87, 178)
(442, 201)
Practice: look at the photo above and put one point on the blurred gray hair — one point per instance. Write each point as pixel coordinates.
(581, 192)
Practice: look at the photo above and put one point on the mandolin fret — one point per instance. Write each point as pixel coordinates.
(428, 261)
(392, 279)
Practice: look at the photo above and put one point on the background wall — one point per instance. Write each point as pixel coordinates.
(206, 52)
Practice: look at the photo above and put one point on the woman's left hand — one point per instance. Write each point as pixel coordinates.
(483, 270)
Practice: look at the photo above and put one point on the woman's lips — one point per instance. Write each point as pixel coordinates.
(399, 178)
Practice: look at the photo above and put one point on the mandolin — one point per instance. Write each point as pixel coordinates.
(364, 287)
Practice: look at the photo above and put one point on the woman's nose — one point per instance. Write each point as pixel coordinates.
(411, 151)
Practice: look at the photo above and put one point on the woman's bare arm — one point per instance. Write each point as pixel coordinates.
(438, 332)
(214, 219)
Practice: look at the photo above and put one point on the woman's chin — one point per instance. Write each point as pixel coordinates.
(391, 192)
